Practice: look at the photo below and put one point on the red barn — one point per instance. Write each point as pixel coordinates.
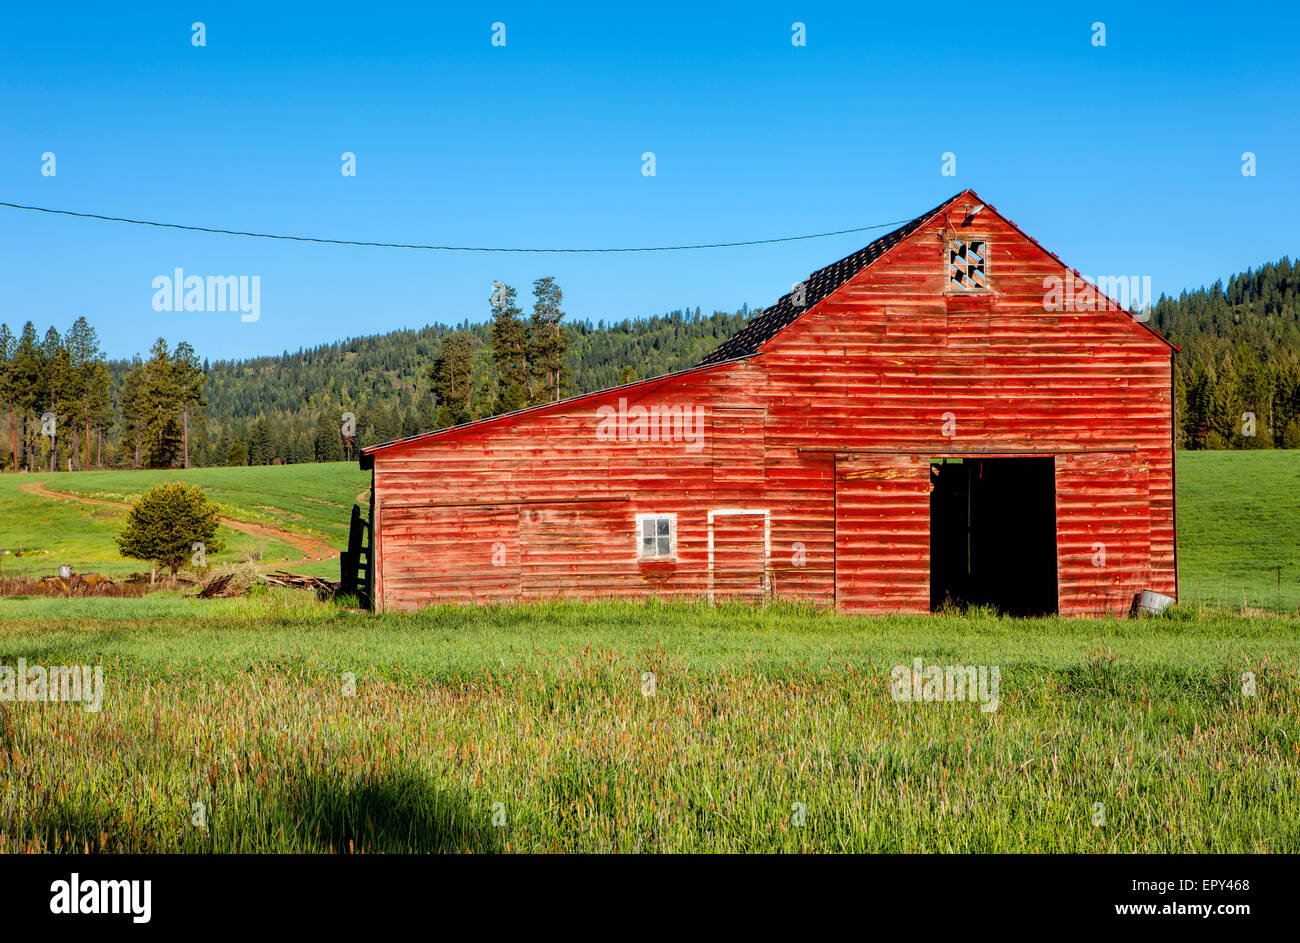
(949, 415)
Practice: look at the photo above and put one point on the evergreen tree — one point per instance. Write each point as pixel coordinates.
(27, 368)
(548, 341)
(8, 348)
(56, 369)
(132, 412)
(87, 400)
(261, 444)
(1254, 398)
(327, 441)
(188, 377)
(510, 351)
(237, 452)
(162, 397)
(453, 378)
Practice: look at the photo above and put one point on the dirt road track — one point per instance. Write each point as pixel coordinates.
(312, 548)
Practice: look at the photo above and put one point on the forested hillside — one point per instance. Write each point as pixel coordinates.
(1238, 376)
(290, 407)
(1237, 382)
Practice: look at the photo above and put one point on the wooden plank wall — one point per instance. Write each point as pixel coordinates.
(570, 549)
(882, 534)
(451, 554)
(892, 362)
(739, 557)
(737, 444)
(1103, 528)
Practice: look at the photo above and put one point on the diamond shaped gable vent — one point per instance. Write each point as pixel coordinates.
(966, 265)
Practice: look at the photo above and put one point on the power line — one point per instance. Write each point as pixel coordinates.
(403, 245)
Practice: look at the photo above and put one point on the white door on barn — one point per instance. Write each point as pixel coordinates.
(740, 543)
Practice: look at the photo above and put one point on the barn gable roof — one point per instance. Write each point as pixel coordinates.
(823, 283)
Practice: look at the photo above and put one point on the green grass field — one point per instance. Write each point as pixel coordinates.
(301, 726)
(533, 729)
(1238, 522)
(312, 500)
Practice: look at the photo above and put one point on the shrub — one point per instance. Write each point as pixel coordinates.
(166, 522)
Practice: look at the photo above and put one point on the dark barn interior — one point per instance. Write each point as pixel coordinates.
(993, 534)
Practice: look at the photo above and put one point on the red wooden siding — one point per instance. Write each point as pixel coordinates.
(451, 554)
(881, 374)
(739, 555)
(1103, 526)
(568, 549)
(738, 451)
(882, 534)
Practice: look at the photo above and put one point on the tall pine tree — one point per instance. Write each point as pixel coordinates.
(548, 340)
(510, 351)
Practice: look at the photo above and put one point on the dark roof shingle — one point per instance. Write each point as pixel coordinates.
(820, 284)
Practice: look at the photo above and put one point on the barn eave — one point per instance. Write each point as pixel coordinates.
(367, 456)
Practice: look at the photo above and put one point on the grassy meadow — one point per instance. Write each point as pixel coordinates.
(281, 723)
(310, 500)
(1238, 522)
(300, 726)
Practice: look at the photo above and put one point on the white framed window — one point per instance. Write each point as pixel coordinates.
(656, 536)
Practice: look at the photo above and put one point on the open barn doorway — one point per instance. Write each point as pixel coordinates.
(993, 534)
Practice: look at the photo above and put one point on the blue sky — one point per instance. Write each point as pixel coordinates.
(1124, 159)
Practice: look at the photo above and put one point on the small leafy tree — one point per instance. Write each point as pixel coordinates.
(165, 523)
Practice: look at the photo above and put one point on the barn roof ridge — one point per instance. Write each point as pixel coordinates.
(824, 282)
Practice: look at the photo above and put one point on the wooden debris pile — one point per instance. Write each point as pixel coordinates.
(323, 588)
(78, 584)
(241, 581)
(223, 587)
